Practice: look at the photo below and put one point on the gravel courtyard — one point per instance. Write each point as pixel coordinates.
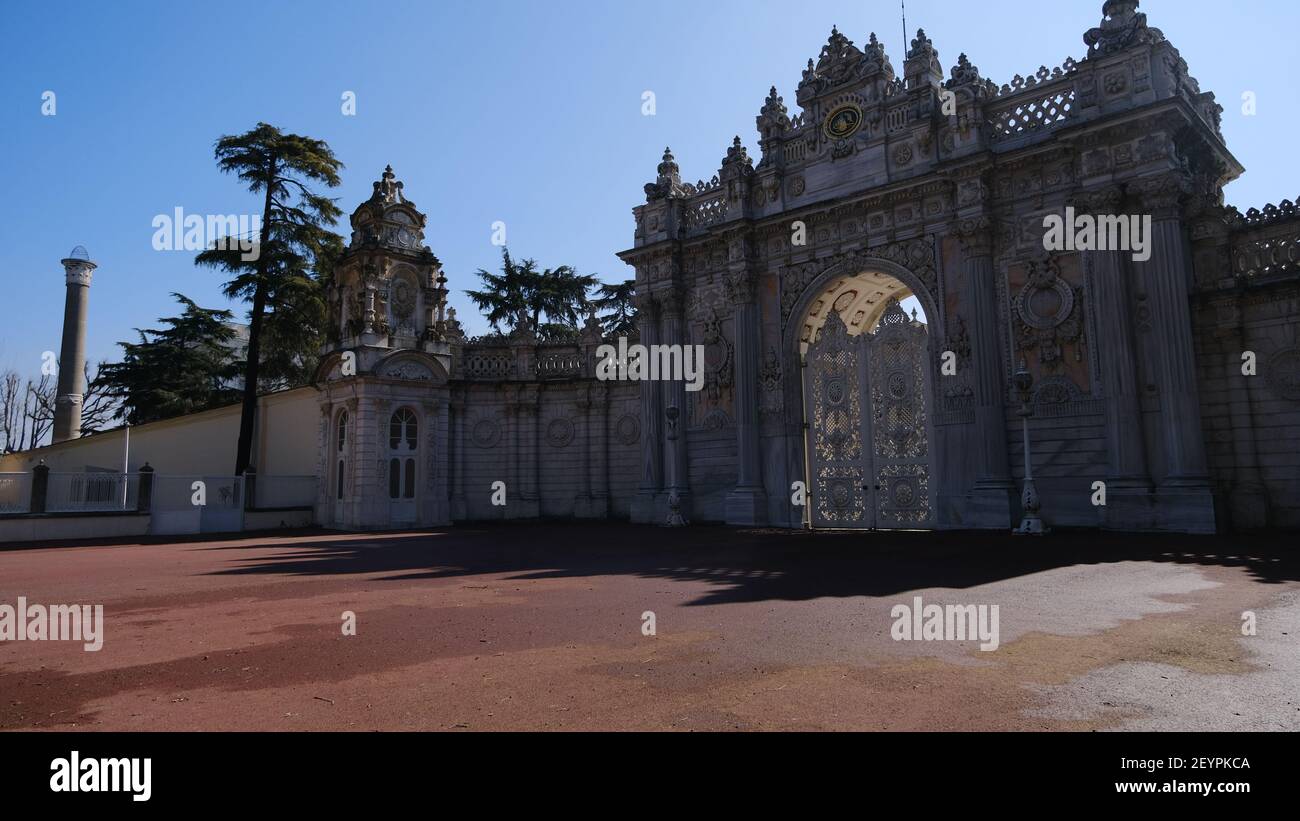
(540, 626)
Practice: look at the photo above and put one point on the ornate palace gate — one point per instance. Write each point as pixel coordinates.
(867, 398)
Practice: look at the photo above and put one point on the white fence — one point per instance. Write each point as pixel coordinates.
(197, 504)
(276, 492)
(15, 492)
(176, 504)
(92, 492)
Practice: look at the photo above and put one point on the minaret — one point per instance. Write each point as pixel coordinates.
(72, 356)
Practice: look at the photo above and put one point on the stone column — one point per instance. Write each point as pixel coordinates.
(644, 505)
(746, 503)
(993, 498)
(1186, 501)
(674, 333)
(1128, 483)
(72, 354)
(598, 433)
(590, 501)
(530, 456)
(514, 455)
(458, 504)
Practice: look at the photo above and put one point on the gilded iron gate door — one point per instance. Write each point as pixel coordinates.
(834, 391)
(899, 448)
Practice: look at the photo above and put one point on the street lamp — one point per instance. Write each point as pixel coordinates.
(675, 518)
(1031, 524)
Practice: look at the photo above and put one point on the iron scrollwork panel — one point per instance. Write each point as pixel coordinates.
(838, 494)
(899, 451)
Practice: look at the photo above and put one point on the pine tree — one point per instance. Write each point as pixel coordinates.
(293, 239)
(522, 291)
(183, 367)
(618, 317)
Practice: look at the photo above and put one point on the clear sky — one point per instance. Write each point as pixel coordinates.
(524, 112)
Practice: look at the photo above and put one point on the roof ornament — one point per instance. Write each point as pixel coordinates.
(1123, 26)
(668, 184)
(388, 189)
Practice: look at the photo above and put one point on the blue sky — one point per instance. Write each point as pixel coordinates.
(524, 112)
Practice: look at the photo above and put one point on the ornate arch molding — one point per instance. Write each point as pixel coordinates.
(411, 366)
(802, 284)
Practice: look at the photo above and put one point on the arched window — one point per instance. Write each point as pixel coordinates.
(403, 441)
(403, 426)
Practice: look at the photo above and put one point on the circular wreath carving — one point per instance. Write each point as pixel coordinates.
(628, 429)
(485, 433)
(1044, 307)
(559, 432)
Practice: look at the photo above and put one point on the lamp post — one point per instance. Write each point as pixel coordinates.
(1031, 524)
(675, 518)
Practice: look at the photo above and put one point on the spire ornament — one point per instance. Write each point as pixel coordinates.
(1123, 26)
(668, 183)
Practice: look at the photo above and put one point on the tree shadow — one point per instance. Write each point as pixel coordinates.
(749, 565)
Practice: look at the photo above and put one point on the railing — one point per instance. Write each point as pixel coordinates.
(284, 492)
(92, 492)
(706, 212)
(1033, 113)
(15, 492)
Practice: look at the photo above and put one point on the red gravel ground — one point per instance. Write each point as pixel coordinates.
(540, 627)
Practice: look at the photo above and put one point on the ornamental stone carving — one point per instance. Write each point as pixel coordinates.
(628, 429)
(1048, 314)
(559, 432)
(917, 256)
(485, 433)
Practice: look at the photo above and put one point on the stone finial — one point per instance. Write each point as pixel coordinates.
(1123, 26)
(921, 46)
(668, 184)
(387, 189)
(964, 73)
(774, 113)
(668, 168)
(875, 51)
(773, 122)
(737, 161)
(922, 66)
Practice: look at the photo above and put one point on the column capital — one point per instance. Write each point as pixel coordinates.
(1161, 196)
(976, 236)
(742, 286)
(1107, 199)
(670, 303)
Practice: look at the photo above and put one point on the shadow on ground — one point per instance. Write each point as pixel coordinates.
(751, 565)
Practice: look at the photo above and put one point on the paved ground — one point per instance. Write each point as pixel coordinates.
(540, 627)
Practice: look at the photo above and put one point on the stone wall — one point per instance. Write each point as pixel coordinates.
(1247, 301)
(533, 416)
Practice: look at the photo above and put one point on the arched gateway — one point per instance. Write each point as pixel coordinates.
(939, 187)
